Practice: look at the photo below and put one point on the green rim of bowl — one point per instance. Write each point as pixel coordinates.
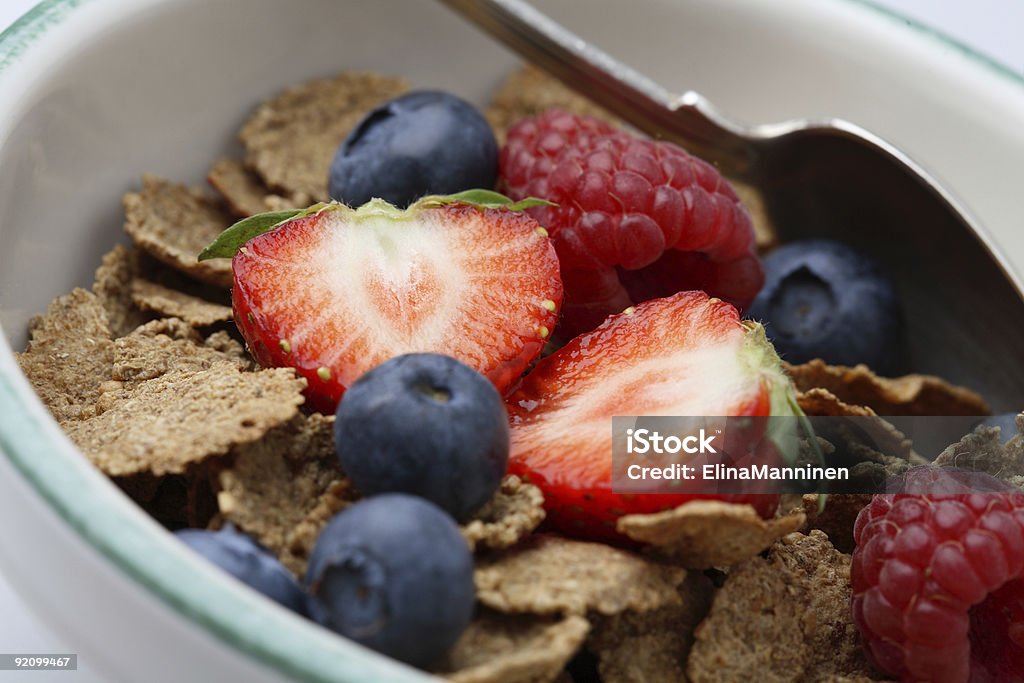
(81, 497)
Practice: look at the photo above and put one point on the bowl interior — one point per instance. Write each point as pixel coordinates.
(107, 92)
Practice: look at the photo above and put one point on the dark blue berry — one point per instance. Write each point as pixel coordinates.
(424, 142)
(823, 299)
(249, 562)
(1007, 423)
(393, 573)
(425, 424)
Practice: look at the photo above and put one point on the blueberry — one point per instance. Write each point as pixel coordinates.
(425, 424)
(823, 299)
(1007, 423)
(424, 142)
(249, 562)
(393, 573)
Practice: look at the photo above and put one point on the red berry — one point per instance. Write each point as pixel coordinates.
(938, 578)
(337, 293)
(636, 219)
(660, 358)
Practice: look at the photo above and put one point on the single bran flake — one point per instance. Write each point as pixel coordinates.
(291, 139)
(172, 303)
(906, 395)
(984, 450)
(516, 509)
(112, 286)
(173, 223)
(781, 619)
(553, 575)
(818, 402)
(499, 648)
(170, 344)
(275, 485)
(165, 424)
(242, 190)
(637, 647)
(70, 355)
(709, 533)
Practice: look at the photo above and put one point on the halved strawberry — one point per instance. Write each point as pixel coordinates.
(338, 291)
(683, 355)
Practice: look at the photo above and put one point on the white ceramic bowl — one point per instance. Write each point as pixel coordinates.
(98, 91)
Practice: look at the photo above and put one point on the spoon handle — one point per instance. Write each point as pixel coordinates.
(689, 119)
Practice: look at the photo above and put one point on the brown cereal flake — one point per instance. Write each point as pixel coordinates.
(906, 395)
(172, 303)
(554, 575)
(291, 139)
(516, 509)
(784, 618)
(69, 355)
(112, 285)
(338, 496)
(165, 424)
(984, 450)
(638, 647)
(709, 533)
(242, 190)
(173, 223)
(274, 484)
(171, 344)
(528, 92)
(499, 648)
(820, 402)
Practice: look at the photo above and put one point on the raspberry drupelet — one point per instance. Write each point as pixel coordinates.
(938, 578)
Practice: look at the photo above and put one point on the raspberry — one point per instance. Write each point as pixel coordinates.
(636, 219)
(938, 578)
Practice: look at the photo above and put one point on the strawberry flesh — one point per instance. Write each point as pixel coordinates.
(338, 292)
(684, 355)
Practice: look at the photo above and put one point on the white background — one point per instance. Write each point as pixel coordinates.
(992, 27)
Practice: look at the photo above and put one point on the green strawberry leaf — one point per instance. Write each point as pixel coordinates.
(483, 199)
(232, 239)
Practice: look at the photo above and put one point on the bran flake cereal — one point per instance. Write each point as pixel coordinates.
(171, 344)
(554, 575)
(123, 384)
(906, 395)
(984, 450)
(516, 509)
(782, 618)
(820, 402)
(173, 223)
(112, 282)
(242, 190)
(275, 484)
(291, 139)
(173, 303)
(142, 430)
(498, 648)
(709, 533)
(642, 647)
(69, 355)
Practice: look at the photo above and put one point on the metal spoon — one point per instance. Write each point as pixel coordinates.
(828, 178)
